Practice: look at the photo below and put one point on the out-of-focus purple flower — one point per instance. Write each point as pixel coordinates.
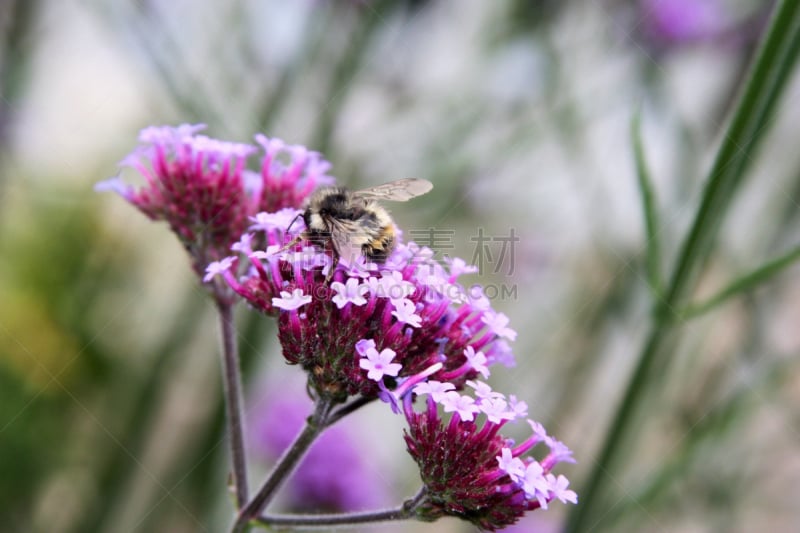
(201, 186)
(192, 182)
(684, 21)
(399, 306)
(218, 267)
(333, 476)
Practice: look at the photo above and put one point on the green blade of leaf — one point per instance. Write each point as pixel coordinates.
(649, 209)
(743, 284)
(766, 82)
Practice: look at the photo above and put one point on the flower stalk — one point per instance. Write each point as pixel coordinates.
(233, 399)
(404, 512)
(285, 465)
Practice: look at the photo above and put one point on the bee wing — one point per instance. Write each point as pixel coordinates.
(396, 191)
(346, 246)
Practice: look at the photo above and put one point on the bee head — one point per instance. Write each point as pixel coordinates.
(325, 203)
(314, 220)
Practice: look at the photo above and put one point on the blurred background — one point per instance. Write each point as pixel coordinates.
(111, 415)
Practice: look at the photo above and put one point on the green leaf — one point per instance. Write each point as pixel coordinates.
(724, 420)
(743, 284)
(652, 226)
(766, 81)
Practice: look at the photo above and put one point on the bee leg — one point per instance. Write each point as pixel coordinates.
(286, 246)
(332, 269)
(290, 244)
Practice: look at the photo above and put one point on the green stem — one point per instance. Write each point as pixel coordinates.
(285, 465)
(343, 74)
(349, 408)
(652, 225)
(233, 399)
(743, 284)
(327, 521)
(767, 80)
(725, 420)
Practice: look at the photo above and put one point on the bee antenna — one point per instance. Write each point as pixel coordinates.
(293, 221)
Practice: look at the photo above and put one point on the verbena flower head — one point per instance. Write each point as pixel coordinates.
(397, 331)
(471, 471)
(410, 310)
(202, 188)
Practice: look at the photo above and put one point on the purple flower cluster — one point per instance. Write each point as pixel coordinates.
(202, 188)
(399, 331)
(469, 469)
(410, 313)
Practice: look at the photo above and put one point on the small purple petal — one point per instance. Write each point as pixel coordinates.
(291, 301)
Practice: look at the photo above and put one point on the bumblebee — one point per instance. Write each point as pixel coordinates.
(353, 223)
